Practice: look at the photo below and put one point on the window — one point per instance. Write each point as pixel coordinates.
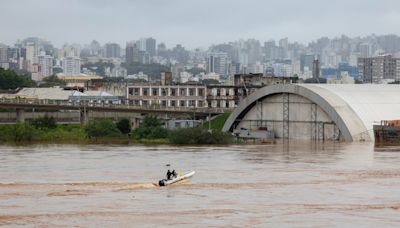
(182, 92)
(218, 92)
(173, 103)
(182, 103)
(201, 92)
(145, 92)
(155, 92)
(164, 103)
(164, 92)
(130, 91)
(136, 102)
(227, 104)
(226, 92)
(192, 103)
(191, 92)
(200, 103)
(173, 92)
(209, 104)
(136, 92)
(145, 103)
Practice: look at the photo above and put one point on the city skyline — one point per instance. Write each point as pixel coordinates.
(174, 21)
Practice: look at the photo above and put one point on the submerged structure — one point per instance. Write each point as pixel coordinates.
(318, 111)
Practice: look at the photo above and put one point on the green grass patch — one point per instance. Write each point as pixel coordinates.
(218, 122)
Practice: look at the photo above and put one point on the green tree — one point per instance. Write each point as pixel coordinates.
(124, 126)
(199, 136)
(150, 128)
(101, 128)
(23, 132)
(11, 80)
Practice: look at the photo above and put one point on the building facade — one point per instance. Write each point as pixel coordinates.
(46, 65)
(379, 69)
(71, 66)
(167, 95)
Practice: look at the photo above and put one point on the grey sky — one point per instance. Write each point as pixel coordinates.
(194, 23)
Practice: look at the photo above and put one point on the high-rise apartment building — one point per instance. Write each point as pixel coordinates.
(3, 53)
(45, 64)
(306, 61)
(218, 63)
(132, 54)
(380, 68)
(148, 45)
(316, 69)
(112, 50)
(31, 55)
(71, 66)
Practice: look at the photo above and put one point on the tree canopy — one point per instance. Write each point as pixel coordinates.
(11, 80)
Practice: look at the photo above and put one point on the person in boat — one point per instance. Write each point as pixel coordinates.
(169, 175)
(174, 174)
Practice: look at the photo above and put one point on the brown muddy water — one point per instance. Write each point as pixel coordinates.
(301, 185)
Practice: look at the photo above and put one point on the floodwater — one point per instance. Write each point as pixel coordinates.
(300, 185)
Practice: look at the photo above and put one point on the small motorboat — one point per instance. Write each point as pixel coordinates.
(165, 182)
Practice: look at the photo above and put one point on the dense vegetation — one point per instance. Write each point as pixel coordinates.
(193, 136)
(11, 80)
(153, 70)
(151, 130)
(98, 128)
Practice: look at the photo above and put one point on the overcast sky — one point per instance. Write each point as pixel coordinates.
(194, 23)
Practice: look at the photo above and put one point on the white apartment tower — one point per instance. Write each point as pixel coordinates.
(46, 65)
(72, 66)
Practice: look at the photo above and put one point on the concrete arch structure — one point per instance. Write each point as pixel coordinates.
(352, 109)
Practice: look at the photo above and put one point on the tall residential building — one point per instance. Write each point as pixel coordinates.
(132, 54)
(112, 50)
(218, 63)
(306, 61)
(31, 55)
(380, 68)
(71, 66)
(45, 65)
(316, 69)
(3, 53)
(148, 45)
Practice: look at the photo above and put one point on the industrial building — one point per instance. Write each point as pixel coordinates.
(318, 111)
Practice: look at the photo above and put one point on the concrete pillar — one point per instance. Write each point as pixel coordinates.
(83, 116)
(20, 115)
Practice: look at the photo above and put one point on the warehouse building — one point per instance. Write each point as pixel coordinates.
(318, 111)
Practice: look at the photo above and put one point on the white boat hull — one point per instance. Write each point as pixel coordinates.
(175, 180)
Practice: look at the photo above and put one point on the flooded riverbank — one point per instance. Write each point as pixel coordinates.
(240, 186)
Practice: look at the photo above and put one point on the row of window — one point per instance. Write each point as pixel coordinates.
(164, 92)
(172, 103)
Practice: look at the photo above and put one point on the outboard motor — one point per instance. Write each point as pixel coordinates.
(161, 183)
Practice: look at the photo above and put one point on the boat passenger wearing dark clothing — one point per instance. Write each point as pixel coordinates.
(174, 174)
(169, 174)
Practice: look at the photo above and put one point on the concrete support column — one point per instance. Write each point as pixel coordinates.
(20, 115)
(83, 116)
